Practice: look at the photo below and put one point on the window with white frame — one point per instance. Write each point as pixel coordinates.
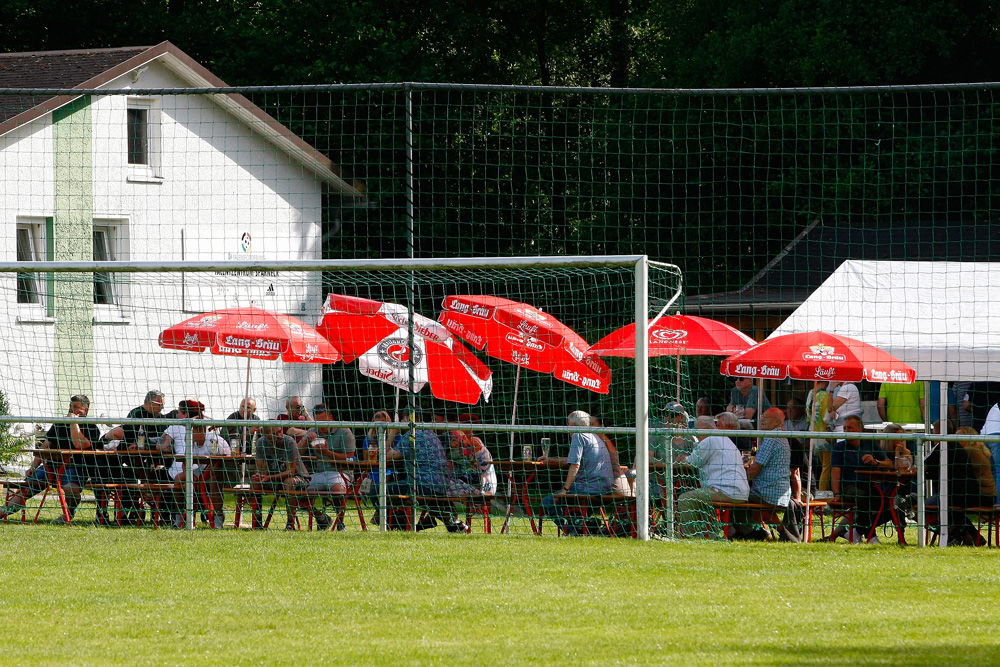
(107, 290)
(142, 138)
(30, 248)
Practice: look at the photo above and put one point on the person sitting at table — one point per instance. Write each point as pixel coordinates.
(295, 410)
(322, 447)
(621, 486)
(137, 438)
(965, 488)
(173, 444)
(589, 471)
(430, 477)
(768, 475)
(473, 450)
(204, 443)
(241, 437)
(850, 486)
(743, 399)
(720, 472)
(44, 467)
(703, 407)
(279, 469)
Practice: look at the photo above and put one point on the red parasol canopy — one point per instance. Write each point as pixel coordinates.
(377, 333)
(676, 334)
(816, 355)
(525, 336)
(250, 332)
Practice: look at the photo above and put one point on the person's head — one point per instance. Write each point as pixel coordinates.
(772, 419)
(153, 401)
(191, 408)
(381, 416)
(966, 430)
(578, 418)
(295, 407)
(744, 385)
(727, 421)
(704, 421)
(248, 406)
(794, 408)
(889, 445)
(674, 414)
(79, 405)
(599, 420)
(853, 424)
(703, 407)
(272, 432)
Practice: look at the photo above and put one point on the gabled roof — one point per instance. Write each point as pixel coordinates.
(95, 68)
(802, 266)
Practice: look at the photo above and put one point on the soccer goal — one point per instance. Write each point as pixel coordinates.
(417, 393)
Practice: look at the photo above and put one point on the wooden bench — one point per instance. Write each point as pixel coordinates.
(587, 505)
(764, 513)
(990, 516)
(151, 494)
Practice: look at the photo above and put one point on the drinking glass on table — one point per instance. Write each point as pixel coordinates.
(546, 445)
(904, 462)
(739, 411)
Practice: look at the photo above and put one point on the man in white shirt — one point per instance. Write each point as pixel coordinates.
(721, 474)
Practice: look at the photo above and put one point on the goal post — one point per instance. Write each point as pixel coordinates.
(116, 360)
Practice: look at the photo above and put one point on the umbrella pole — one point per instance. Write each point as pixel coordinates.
(395, 412)
(513, 418)
(809, 463)
(678, 376)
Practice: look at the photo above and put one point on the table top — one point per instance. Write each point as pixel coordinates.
(888, 473)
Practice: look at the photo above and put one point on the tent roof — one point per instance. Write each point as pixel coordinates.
(942, 318)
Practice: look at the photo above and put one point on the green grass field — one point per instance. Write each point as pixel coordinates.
(92, 596)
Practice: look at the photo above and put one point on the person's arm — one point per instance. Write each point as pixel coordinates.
(881, 408)
(166, 444)
(616, 468)
(78, 438)
(749, 412)
(570, 476)
(870, 460)
(261, 474)
(117, 433)
(835, 404)
(753, 470)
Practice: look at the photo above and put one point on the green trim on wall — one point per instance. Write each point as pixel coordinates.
(72, 240)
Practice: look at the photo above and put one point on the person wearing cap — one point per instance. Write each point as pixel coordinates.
(279, 470)
(295, 410)
(322, 447)
(173, 443)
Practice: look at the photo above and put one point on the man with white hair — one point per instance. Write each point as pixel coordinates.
(589, 471)
(720, 472)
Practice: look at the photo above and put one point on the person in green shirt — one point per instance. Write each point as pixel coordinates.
(901, 403)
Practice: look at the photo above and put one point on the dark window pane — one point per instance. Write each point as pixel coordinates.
(27, 286)
(138, 139)
(103, 288)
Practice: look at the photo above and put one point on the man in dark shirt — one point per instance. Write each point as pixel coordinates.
(850, 486)
(279, 469)
(241, 437)
(138, 440)
(43, 469)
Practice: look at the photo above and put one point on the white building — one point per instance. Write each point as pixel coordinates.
(146, 177)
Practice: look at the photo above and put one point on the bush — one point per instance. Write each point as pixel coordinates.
(10, 444)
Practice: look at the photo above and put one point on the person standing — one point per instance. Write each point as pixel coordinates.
(901, 403)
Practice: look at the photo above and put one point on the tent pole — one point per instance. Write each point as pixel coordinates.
(943, 467)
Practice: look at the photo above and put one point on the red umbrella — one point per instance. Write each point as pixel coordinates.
(377, 335)
(525, 336)
(676, 334)
(250, 332)
(816, 355)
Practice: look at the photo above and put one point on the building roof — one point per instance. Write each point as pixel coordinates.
(88, 69)
(802, 266)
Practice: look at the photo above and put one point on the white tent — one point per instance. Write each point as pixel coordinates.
(942, 318)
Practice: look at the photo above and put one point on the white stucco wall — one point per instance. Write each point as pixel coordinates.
(218, 182)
